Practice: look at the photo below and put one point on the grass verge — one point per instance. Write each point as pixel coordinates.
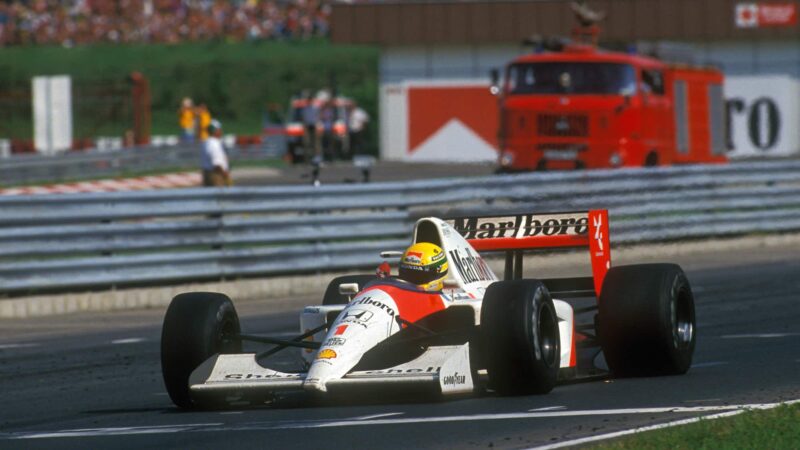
(777, 428)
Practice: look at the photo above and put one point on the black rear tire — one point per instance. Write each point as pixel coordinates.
(521, 346)
(194, 329)
(646, 322)
(332, 295)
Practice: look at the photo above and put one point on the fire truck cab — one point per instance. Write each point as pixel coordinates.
(583, 107)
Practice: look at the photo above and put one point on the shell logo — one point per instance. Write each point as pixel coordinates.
(326, 354)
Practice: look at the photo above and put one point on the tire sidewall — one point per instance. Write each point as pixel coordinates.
(540, 306)
(675, 287)
(512, 337)
(637, 320)
(193, 332)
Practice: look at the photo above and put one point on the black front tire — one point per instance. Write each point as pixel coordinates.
(646, 322)
(195, 328)
(521, 345)
(332, 295)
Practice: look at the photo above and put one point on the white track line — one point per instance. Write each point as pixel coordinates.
(758, 336)
(616, 434)
(134, 340)
(708, 364)
(526, 415)
(13, 346)
(118, 431)
(602, 437)
(375, 416)
(218, 427)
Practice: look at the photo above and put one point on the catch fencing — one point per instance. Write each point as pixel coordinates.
(67, 242)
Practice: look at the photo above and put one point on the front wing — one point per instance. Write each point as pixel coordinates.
(445, 369)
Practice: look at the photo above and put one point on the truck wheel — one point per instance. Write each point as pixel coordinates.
(295, 155)
(195, 328)
(521, 346)
(646, 322)
(651, 160)
(332, 295)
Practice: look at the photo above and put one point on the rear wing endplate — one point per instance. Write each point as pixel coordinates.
(515, 234)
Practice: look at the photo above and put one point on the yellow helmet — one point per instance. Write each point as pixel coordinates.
(425, 265)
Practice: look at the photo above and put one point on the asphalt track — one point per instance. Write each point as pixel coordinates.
(93, 381)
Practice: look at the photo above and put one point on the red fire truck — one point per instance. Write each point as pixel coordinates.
(575, 106)
(336, 145)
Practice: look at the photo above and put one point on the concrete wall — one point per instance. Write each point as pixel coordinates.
(474, 61)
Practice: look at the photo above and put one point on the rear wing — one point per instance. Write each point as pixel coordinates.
(517, 233)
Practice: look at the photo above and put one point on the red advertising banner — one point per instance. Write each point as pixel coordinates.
(763, 14)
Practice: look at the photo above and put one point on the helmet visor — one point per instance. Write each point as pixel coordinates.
(422, 274)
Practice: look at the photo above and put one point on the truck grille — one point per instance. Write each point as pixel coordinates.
(568, 125)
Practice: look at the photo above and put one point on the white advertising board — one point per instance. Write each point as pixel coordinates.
(52, 114)
(763, 116)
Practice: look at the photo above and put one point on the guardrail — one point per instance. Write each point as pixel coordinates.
(63, 242)
(21, 169)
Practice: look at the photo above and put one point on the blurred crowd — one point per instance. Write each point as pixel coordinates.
(76, 22)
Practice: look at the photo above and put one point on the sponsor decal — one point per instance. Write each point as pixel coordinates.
(340, 330)
(413, 258)
(763, 120)
(380, 305)
(398, 371)
(335, 342)
(522, 226)
(471, 268)
(326, 354)
(766, 14)
(598, 234)
(258, 376)
(455, 380)
(359, 316)
(462, 296)
(437, 257)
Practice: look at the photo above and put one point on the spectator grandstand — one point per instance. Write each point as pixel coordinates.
(78, 22)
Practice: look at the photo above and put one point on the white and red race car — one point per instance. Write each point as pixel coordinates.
(512, 335)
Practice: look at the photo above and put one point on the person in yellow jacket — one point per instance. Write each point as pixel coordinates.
(186, 120)
(203, 120)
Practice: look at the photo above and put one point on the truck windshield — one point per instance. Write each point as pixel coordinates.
(571, 78)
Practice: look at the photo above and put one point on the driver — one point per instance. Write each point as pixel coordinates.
(425, 265)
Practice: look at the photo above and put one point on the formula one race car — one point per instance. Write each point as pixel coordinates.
(513, 336)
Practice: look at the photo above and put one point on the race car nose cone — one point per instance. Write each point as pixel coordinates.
(314, 385)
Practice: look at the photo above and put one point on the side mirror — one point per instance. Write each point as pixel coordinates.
(450, 283)
(348, 288)
(494, 74)
(388, 254)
